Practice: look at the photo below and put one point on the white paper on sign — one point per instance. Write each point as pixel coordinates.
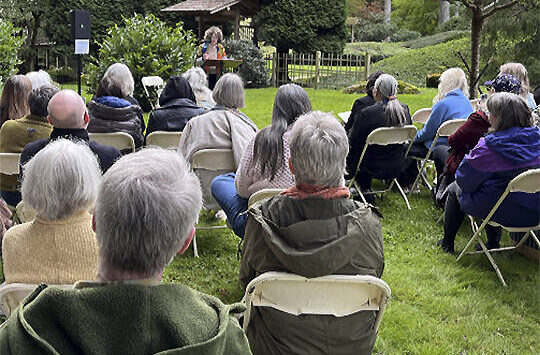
(82, 46)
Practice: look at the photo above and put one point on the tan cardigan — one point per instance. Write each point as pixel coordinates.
(54, 252)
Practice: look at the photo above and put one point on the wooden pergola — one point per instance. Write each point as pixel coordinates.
(217, 10)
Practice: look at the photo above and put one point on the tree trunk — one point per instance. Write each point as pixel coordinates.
(477, 23)
(387, 11)
(444, 12)
(30, 53)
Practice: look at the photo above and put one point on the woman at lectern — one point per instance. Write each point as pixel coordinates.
(212, 48)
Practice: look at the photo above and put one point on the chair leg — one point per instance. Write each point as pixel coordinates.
(360, 192)
(523, 239)
(194, 242)
(486, 251)
(401, 192)
(441, 218)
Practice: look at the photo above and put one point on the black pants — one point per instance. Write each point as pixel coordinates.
(438, 155)
(212, 79)
(453, 216)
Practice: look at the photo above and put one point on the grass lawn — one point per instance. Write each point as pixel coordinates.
(438, 306)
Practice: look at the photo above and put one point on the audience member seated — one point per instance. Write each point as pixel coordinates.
(176, 107)
(381, 162)
(110, 112)
(14, 100)
(467, 136)
(69, 118)
(519, 71)
(127, 310)
(122, 74)
(197, 79)
(58, 247)
(363, 102)
(451, 103)
(265, 163)
(511, 147)
(313, 229)
(39, 78)
(224, 127)
(16, 134)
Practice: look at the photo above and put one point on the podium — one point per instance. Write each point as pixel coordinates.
(219, 64)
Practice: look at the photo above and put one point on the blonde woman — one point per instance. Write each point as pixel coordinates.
(519, 71)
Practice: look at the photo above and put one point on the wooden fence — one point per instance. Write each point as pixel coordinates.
(317, 70)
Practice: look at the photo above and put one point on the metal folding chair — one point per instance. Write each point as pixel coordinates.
(163, 139)
(528, 182)
(421, 116)
(119, 140)
(155, 84)
(386, 136)
(263, 195)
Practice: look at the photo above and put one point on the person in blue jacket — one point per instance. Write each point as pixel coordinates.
(511, 148)
(450, 103)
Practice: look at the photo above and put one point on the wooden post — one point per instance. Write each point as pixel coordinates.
(274, 69)
(237, 23)
(317, 68)
(57, 61)
(367, 64)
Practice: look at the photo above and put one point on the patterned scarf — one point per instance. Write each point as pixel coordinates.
(303, 191)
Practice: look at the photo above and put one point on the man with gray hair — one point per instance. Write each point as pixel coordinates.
(313, 229)
(67, 113)
(144, 214)
(16, 134)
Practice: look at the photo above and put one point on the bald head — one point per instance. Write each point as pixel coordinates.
(66, 110)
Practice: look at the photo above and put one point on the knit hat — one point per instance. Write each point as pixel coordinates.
(505, 83)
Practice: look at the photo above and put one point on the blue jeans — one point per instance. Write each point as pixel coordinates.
(234, 206)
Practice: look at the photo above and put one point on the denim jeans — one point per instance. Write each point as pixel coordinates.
(234, 206)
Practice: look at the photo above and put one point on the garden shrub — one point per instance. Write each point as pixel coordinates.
(438, 38)
(63, 75)
(404, 34)
(403, 88)
(148, 47)
(10, 44)
(413, 66)
(378, 50)
(253, 67)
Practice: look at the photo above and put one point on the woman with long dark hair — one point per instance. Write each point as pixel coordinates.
(14, 100)
(265, 161)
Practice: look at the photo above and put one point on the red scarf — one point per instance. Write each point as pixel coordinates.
(303, 191)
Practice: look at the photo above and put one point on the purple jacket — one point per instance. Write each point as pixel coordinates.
(486, 171)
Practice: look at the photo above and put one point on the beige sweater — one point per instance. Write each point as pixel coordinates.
(54, 252)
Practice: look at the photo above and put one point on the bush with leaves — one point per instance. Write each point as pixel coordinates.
(403, 34)
(148, 47)
(10, 44)
(253, 67)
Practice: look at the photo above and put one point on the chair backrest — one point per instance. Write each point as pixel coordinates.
(213, 159)
(337, 295)
(9, 163)
(11, 295)
(344, 116)
(156, 83)
(152, 81)
(119, 140)
(262, 195)
(166, 140)
(421, 116)
(449, 127)
(391, 135)
(528, 181)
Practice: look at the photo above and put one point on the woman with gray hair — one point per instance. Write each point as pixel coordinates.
(511, 147)
(60, 184)
(312, 229)
(197, 79)
(265, 161)
(224, 127)
(520, 72)
(382, 162)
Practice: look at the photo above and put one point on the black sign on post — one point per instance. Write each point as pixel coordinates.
(80, 34)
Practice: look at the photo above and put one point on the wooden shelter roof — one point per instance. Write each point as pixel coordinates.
(248, 8)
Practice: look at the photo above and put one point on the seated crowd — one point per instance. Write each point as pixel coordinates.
(109, 223)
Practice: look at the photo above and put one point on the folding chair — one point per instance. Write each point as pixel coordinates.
(11, 295)
(263, 195)
(337, 295)
(386, 136)
(119, 140)
(217, 161)
(445, 130)
(344, 116)
(155, 83)
(9, 165)
(163, 139)
(528, 182)
(421, 116)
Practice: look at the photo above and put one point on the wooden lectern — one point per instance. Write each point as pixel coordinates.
(220, 64)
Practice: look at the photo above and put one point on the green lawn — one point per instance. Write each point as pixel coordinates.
(438, 306)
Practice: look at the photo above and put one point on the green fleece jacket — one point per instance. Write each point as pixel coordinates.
(122, 319)
(311, 237)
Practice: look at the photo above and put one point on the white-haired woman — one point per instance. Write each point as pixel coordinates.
(313, 229)
(39, 78)
(197, 79)
(519, 71)
(60, 184)
(265, 163)
(223, 127)
(451, 102)
(382, 162)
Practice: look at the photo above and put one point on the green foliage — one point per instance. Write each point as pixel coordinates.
(148, 47)
(413, 66)
(306, 26)
(437, 38)
(417, 15)
(63, 75)
(403, 88)
(401, 35)
(378, 50)
(253, 67)
(516, 43)
(10, 44)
